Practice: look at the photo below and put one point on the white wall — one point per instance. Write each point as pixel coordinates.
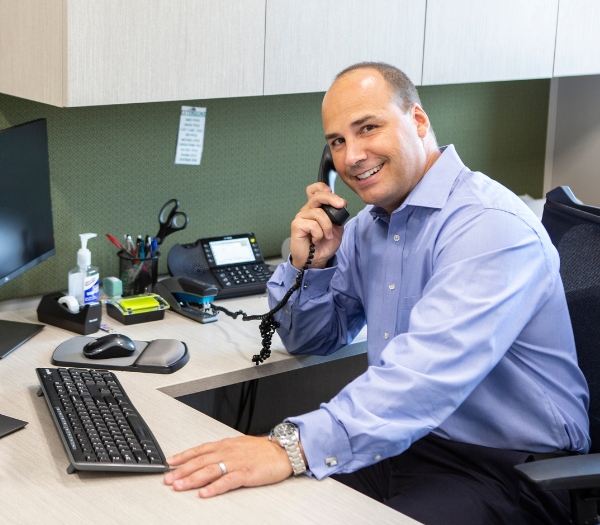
(575, 161)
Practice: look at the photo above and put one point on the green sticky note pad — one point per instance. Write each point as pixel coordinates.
(139, 304)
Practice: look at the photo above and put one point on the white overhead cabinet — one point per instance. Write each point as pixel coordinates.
(578, 38)
(309, 41)
(483, 41)
(85, 53)
(31, 59)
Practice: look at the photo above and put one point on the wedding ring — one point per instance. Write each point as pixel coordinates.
(222, 467)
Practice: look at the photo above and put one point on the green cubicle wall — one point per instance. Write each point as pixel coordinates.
(112, 167)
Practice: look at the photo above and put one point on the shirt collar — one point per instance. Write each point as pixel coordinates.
(433, 190)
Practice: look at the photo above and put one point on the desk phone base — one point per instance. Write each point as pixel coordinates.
(233, 263)
(98, 424)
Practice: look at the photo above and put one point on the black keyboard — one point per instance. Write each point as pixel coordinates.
(98, 424)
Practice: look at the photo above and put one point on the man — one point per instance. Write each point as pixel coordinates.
(472, 365)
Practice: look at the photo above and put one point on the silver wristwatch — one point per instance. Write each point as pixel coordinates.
(288, 437)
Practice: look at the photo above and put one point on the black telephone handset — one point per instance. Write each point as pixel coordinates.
(327, 174)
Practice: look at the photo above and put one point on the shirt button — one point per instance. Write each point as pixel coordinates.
(377, 457)
(386, 335)
(396, 238)
(392, 286)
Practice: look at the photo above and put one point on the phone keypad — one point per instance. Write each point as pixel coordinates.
(243, 274)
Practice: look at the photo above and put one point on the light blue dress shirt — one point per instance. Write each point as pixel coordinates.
(469, 335)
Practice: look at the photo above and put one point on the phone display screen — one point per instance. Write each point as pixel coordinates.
(232, 251)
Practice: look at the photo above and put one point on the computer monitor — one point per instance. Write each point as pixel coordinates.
(26, 226)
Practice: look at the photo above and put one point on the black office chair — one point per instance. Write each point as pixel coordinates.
(575, 231)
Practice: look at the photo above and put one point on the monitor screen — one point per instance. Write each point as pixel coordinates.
(26, 229)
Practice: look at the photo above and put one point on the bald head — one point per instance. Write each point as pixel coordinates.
(403, 90)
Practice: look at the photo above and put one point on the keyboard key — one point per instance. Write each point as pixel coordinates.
(110, 400)
(128, 458)
(138, 427)
(140, 456)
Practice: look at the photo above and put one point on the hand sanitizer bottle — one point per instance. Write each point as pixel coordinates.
(84, 279)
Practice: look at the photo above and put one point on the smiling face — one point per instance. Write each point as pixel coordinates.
(379, 150)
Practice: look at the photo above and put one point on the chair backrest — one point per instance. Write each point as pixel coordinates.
(575, 231)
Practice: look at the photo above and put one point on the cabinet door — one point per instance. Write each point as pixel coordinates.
(308, 42)
(475, 41)
(144, 51)
(31, 49)
(578, 38)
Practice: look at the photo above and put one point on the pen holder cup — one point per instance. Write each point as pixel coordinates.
(138, 275)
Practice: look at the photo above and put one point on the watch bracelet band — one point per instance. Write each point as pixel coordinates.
(293, 452)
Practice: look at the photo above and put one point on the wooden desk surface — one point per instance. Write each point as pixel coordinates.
(34, 484)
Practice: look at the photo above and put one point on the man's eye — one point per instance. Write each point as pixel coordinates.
(369, 127)
(337, 142)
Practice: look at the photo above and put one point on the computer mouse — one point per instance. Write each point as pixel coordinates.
(109, 346)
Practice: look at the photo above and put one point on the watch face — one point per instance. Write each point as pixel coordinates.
(284, 430)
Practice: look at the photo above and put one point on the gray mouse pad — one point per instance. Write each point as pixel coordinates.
(161, 356)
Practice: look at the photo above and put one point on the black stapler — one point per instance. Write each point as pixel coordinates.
(188, 297)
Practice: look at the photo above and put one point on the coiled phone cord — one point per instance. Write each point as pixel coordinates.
(268, 324)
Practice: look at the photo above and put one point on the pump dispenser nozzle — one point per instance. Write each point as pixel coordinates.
(84, 256)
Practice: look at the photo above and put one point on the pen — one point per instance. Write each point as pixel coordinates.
(149, 253)
(118, 244)
(130, 245)
(140, 247)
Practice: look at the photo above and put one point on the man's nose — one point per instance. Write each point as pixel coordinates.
(355, 152)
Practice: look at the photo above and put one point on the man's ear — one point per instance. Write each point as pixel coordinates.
(421, 120)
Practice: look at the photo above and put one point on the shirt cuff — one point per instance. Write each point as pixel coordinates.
(288, 277)
(324, 441)
(315, 283)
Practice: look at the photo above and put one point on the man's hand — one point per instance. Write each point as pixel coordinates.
(250, 462)
(311, 224)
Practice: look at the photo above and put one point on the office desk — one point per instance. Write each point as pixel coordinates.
(34, 484)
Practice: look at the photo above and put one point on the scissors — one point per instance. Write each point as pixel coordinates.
(170, 220)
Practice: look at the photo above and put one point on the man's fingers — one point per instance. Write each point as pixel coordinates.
(319, 194)
(186, 455)
(193, 475)
(187, 468)
(316, 187)
(313, 225)
(308, 227)
(199, 478)
(230, 481)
